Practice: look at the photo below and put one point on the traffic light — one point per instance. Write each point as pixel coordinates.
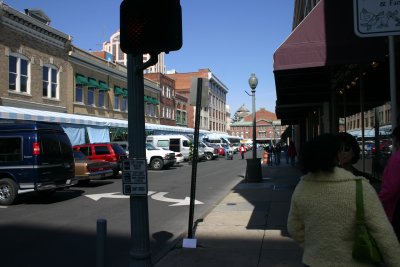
(150, 26)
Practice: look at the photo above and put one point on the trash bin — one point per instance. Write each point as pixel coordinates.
(253, 170)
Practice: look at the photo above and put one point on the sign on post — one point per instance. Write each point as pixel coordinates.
(134, 177)
(204, 91)
(376, 17)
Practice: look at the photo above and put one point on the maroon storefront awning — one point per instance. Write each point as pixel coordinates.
(306, 65)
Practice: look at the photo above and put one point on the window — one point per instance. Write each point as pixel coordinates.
(123, 104)
(50, 82)
(79, 94)
(116, 102)
(101, 98)
(90, 96)
(11, 149)
(18, 74)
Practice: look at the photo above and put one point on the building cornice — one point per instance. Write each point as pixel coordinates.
(30, 26)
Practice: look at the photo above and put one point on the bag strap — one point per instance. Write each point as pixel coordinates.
(359, 202)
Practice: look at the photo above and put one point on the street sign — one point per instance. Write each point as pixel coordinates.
(134, 177)
(376, 17)
(204, 91)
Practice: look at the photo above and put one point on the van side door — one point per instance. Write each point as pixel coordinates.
(50, 159)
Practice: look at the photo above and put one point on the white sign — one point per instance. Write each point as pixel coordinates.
(134, 177)
(376, 17)
(204, 91)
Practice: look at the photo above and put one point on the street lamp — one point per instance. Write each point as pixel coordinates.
(253, 81)
(253, 168)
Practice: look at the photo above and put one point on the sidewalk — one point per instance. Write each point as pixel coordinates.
(248, 227)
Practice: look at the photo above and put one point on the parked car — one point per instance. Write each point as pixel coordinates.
(157, 158)
(235, 147)
(86, 169)
(178, 143)
(179, 158)
(34, 156)
(111, 152)
(210, 152)
(228, 151)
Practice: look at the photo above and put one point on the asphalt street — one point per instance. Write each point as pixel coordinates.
(61, 230)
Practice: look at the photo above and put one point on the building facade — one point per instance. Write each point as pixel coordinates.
(34, 63)
(113, 47)
(182, 104)
(213, 117)
(268, 127)
(167, 97)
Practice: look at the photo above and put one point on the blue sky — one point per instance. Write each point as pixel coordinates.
(230, 37)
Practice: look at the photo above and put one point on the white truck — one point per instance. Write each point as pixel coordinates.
(157, 158)
(177, 143)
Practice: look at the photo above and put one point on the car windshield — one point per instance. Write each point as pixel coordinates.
(118, 149)
(79, 155)
(150, 147)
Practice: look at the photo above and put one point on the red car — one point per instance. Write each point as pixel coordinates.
(110, 152)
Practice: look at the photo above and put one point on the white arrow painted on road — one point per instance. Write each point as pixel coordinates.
(178, 202)
(96, 197)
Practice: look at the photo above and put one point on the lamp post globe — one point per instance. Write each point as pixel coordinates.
(253, 81)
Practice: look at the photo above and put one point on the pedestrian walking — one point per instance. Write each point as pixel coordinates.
(285, 152)
(242, 150)
(277, 154)
(390, 188)
(322, 215)
(270, 151)
(292, 153)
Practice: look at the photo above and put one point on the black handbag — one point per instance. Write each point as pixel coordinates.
(365, 248)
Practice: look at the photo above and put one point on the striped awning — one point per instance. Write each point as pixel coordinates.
(51, 116)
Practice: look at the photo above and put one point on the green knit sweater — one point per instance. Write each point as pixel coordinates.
(322, 220)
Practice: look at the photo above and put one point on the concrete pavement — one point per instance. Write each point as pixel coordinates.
(247, 228)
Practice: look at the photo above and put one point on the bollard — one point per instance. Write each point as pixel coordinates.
(101, 242)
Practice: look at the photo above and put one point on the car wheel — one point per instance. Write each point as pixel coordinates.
(157, 164)
(8, 191)
(209, 156)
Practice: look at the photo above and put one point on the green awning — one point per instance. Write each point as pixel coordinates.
(153, 100)
(125, 92)
(81, 79)
(93, 83)
(146, 98)
(103, 86)
(118, 90)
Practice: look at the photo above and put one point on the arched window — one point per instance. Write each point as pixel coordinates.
(18, 74)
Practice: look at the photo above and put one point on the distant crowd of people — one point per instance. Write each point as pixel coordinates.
(275, 153)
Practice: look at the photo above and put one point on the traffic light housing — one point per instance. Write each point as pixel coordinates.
(150, 26)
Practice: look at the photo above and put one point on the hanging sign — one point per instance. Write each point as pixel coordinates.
(376, 17)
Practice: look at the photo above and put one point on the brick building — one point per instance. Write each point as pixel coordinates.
(268, 127)
(213, 117)
(167, 97)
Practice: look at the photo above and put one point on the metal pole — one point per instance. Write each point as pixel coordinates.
(362, 114)
(254, 124)
(393, 93)
(195, 156)
(140, 254)
(101, 242)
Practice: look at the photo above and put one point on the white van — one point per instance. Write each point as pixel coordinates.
(177, 143)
